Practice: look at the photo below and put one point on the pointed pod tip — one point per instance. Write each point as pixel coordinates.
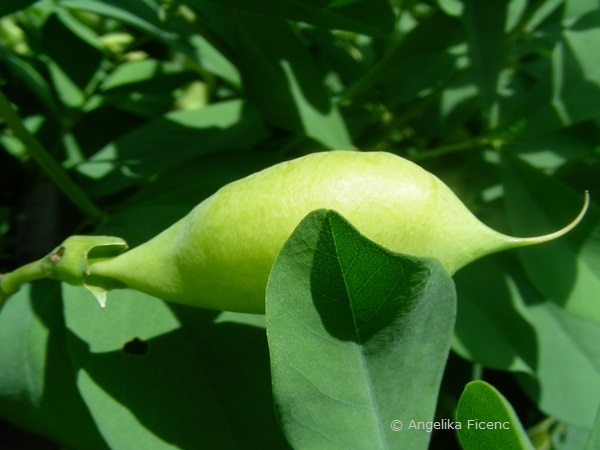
(520, 242)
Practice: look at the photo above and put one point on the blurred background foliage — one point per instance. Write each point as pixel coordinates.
(132, 112)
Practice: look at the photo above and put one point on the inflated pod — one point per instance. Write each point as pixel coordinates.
(219, 256)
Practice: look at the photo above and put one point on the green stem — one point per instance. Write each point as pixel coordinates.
(12, 281)
(476, 372)
(50, 167)
(453, 148)
(68, 263)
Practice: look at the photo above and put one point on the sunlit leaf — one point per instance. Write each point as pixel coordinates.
(358, 338)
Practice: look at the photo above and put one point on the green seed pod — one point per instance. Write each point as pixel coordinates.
(219, 256)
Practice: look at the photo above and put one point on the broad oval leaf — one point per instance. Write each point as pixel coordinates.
(359, 338)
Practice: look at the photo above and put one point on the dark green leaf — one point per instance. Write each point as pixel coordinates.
(485, 24)
(575, 74)
(10, 6)
(502, 323)
(73, 70)
(371, 17)
(282, 80)
(23, 70)
(170, 140)
(147, 87)
(568, 356)
(358, 338)
(567, 90)
(492, 324)
(176, 33)
(143, 15)
(549, 150)
(407, 55)
(576, 85)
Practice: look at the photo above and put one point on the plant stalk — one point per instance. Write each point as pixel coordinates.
(47, 163)
(12, 281)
